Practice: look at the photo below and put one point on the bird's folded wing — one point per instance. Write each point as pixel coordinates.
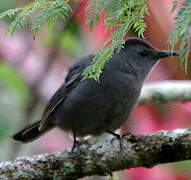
(73, 78)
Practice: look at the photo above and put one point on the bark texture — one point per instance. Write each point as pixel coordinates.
(103, 158)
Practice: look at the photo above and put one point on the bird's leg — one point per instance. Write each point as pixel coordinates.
(117, 136)
(76, 145)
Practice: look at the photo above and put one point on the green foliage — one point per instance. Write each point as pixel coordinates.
(50, 14)
(174, 5)
(181, 32)
(42, 11)
(120, 15)
(94, 70)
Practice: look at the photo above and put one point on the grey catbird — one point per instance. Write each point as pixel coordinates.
(87, 107)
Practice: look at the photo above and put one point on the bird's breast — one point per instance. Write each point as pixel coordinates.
(121, 86)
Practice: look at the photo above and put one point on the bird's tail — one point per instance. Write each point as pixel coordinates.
(31, 133)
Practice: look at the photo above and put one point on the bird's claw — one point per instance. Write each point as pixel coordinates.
(119, 137)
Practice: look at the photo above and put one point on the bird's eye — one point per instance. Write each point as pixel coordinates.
(143, 53)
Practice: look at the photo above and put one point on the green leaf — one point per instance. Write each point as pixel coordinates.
(10, 13)
(126, 15)
(174, 5)
(50, 14)
(42, 12)
(181, 33)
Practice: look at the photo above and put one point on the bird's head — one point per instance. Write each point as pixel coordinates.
(142, 56)
(142, 52)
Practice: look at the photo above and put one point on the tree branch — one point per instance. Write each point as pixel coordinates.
(105, 157)
(165, 91)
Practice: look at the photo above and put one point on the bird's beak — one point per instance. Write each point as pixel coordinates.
(163, 54)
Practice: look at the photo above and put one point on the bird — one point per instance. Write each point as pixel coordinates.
(88, 107)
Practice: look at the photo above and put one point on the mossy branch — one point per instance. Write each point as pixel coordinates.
(103, 158)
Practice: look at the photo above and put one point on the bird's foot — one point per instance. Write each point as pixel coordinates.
(130, 137)
(76, 147)
(119, 137)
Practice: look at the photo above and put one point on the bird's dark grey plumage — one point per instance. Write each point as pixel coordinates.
(87, 107)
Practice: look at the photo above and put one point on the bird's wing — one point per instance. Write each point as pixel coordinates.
(72, 79)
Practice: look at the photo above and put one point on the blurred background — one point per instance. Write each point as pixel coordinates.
(31, 70)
